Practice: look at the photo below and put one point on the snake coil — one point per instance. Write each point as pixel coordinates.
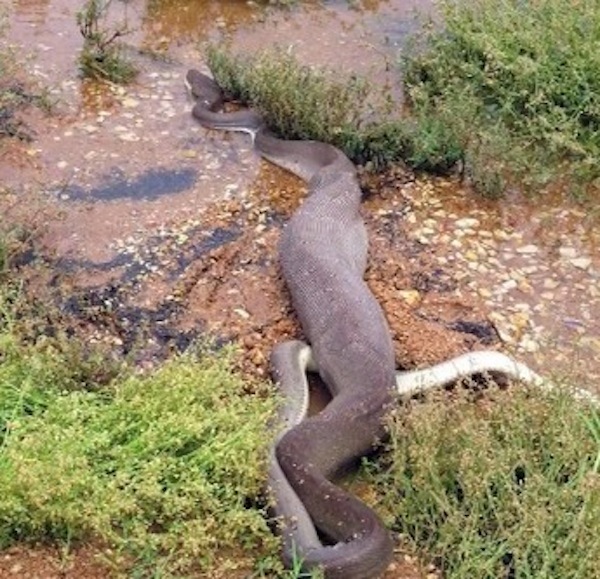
(323, 254)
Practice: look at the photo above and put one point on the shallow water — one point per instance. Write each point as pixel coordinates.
(120, 163)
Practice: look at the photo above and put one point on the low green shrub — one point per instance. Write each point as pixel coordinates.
(504, 486)
(300, 102)
(519, 81)
(6, 56)
(6, 252)
(297, 101)
(160, 467)
(102, 55)
(160, 470)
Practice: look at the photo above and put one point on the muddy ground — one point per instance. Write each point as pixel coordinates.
(216, 273)
(151, 232)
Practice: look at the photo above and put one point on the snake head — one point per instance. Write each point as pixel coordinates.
(203, 89)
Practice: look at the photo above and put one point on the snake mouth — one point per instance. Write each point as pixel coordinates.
(209, 102)
(188, 86)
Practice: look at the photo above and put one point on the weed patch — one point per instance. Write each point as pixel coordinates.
(518, 83)
(299, 102)
(509, 487)
(6, 56)
(159, 467)
(102, 54)
(13, 242)
(16, 93)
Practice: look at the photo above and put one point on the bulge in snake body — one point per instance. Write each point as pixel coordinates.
(324, 253)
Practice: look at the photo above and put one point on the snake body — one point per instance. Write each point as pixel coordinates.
(323, 255)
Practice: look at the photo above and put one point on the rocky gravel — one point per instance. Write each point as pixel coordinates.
(535, 267)
(155, 232)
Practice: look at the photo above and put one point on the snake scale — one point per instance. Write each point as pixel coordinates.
(323, 254)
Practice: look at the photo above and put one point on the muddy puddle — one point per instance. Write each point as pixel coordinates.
(156, 231)
(128, 170)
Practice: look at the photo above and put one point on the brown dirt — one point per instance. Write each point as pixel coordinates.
(148, 274)
(45, 562)
(235, 292)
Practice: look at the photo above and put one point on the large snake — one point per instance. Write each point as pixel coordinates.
(323, 254)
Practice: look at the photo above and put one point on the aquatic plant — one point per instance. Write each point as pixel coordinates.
(102, 55)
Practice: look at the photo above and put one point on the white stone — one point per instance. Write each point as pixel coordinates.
(567, 252)
(527, 249)
(581, 262)
(130, 103)
(467, 222)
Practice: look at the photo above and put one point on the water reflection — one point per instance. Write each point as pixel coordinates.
(195, 19)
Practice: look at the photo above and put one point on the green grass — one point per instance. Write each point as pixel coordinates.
(508, 91)
(299, 102)
(17, 91)
(6, 252)
(519, 83)
(8, 99)
(504, 486)
(159, 468)
(6, 56)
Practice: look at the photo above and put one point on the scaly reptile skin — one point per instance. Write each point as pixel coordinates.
(323, 254)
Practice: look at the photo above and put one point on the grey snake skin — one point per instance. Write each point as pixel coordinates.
(323, 255)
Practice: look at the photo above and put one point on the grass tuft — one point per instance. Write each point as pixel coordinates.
(16, 93)
(300, 102)
(506, 487)
(159, 467)
(519, 81)
(12, 242)
(6, 55)
(102, 54)
(297, 101)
